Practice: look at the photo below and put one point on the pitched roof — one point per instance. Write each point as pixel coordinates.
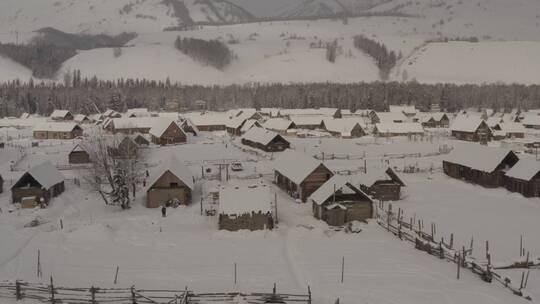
(161, 125)
(250, 123)
(239, 200)
(531, 120)
(307, 120)
(478, 157)
(373, 175)
(56, 127)
(512, 127)
(344, 126)
(403, 109)
(279, 124)
(296, 166)
(399, 128)
(78, 148)
(80, 117)
(466, 123)
(59, 113)
(132, 123)
(207, 118)
(386, 117)
(525, 169)
(45, 174)
(334, 184)
(178, 169)
(261, 135)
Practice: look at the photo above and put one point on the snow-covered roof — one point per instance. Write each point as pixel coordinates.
(279, 124)
(531, 120)
(56, 127)
(295, 165)
(399, 128)
(525, 169)
(250, 123)
(78, 148)
(493, 121)
(133, 123)
(478, 157)
(24, 115)
(307, 120)
(310, 112)
(46, 174)
(80, 118)
(260, 135)
(334, 184)
(59, 113)
(238, 200)
(373, 175)
(344, 126)
(207, 118)
(178, 169)
(387, 117)
(235, 122)
(409, 110)
(464, 123)
(161, 125)
(512, 127)
(187, 122)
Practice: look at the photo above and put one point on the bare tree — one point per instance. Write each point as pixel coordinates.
(116, 167)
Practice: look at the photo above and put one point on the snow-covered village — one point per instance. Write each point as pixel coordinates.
(269, 151)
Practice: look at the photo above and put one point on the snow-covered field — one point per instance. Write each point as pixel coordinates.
(186, 249)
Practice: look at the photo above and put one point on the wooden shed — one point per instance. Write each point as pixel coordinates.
(245, 207)
(57, 130)
(299, 174)
(60, 115)
(265, 140)
(140, 140)
(338, 202)
(524, 178)
(40, 183)
(167, 132)
(173, 182)
(380, 183)
(280, 125)
(477, 164)
(344, 127)
(78, 156)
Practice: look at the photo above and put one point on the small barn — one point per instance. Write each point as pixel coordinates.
(266, 140)
(111, 114)
(299, 174)
(57, 130)
(398, 129)
(477, 164)
(387, 117)
(61, 115)
(167, 132)
(435, 120)
(140, 140)
(471, 129)
(130, 125)
(172, 183)
(78, 156)
(308, 122)
(249, 124)
(524, 178)
(338, 202)
(406, 110)
(531, 121)
(82, 119)
(280, 125)
(380, 183)
(344, 127)
(38, 185)
(245, 207)
(125, 149)
(509, 130)
(189, 127)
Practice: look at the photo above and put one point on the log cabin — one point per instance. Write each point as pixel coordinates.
(78, 156)
(172, 183)
(338, 202)
(380, 183)
(471, 129)
(57, 130)
(299, 174)
(266, 140)
(61, 115)
(167, 132)
(524, 178)
(38, 185)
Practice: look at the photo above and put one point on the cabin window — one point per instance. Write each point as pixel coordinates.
(328, 176)
(174, 185)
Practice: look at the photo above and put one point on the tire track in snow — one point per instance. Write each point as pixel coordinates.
(290, 254)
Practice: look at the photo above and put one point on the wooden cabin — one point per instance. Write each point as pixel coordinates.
(308, 122)
(435, 120)
(477, 164)
(338, 202)
(38, 185)
(189, 127)
(173, 183)
(344, 127)
(245, 207)
(167, 132)
(471, 129)
(524, 178)
(387, 117)
(265, 140)
(398, 129)
(130, 125)
(140, 140)
(57, 130)
(78, 156)
(380, 183)
(279, 125)
(61, 115)
(299, 174)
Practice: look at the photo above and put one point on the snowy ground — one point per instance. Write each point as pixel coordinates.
(186, 249)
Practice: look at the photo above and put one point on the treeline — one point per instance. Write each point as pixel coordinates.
(41, 98)
(209, 52)
(43, 59)
(385, 59)
(49, 35)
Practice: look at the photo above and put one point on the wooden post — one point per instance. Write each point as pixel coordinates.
(463, 255)
(522, 280)
(234, 273)
(116, 275)
(275, 206)
(133, 297)
(487, 249)
(458, 265)
(38, 264)
(342, 269)
(471, 246)
(201, 206)
(53, 301)
(521, 245)
(451, 241)
(527, 260)
(18, 292)
(526, 279)
(93, 295)
(441, 251)
(61, 225)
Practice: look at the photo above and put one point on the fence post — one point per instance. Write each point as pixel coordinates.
(133, 297)
(309, 294)
(93, 295)
(18, 293)
(53, 301)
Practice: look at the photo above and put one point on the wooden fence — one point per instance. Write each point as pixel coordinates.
(413, 232)
(53, 294)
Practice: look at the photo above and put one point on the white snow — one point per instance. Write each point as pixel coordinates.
(238, 200)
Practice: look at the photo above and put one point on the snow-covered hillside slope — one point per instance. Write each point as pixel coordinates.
(10, 70)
